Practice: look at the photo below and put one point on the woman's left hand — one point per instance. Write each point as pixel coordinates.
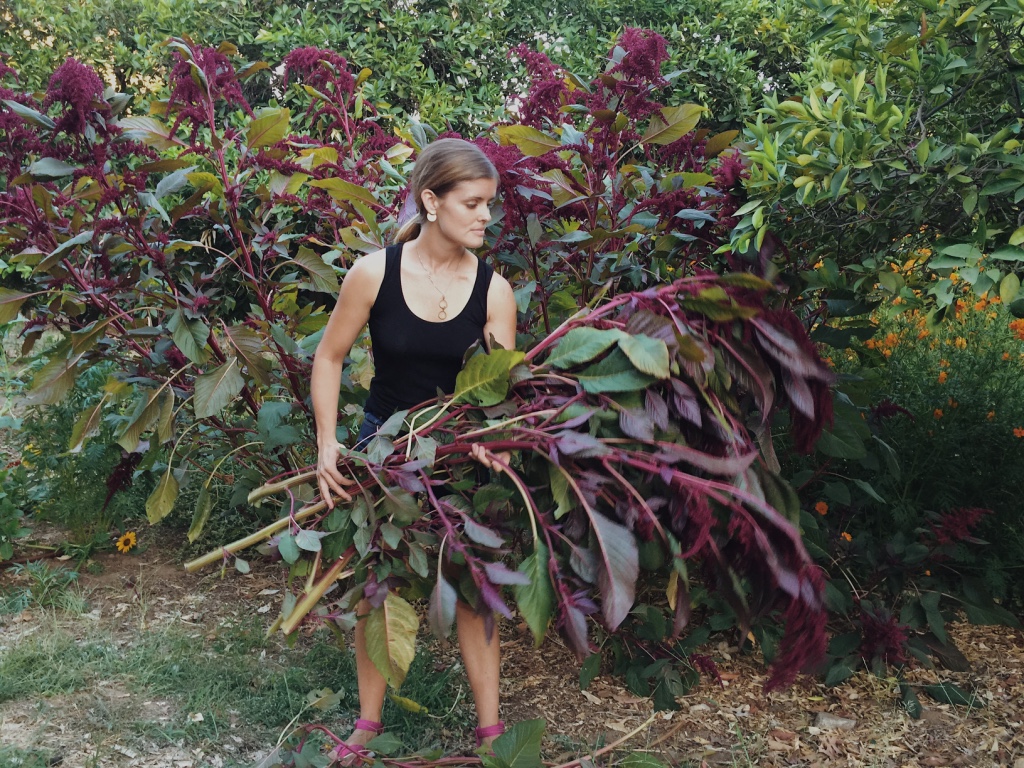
(481, 454)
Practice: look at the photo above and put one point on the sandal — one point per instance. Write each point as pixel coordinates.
(356, 753)
(489, 731)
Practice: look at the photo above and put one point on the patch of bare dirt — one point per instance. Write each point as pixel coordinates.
(733, 724)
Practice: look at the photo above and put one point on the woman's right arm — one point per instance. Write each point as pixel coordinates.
(358, 292)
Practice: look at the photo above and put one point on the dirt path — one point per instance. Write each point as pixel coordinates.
(735, 724)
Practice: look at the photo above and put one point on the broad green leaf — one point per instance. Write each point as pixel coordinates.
(537, 599)
(530, 141)
(564, 500)
(146, 412)
(201, 515)
(189, 336)
(172, 182)
(214, 390)
(250, 347)
(88, 425)
(648, 354)
(288, 549)
(322, 275)
(581, 345)
(391, 638)
(165, 424)
(485, 379)
(51, 168)
(344, 191)
(615, 373)
(717, 143)
(910, 701)
(841, 442)
(54, 380)
(10, 304)
(1008, 253)
(307, 540)
(949, 693)
(27, 113)
(1017, 238)
(268, 127)
(148, 130)
(1009, 287)
(161, 501)
(672, 124)
(519, 747)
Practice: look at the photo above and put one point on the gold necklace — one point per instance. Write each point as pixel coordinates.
(442, 305)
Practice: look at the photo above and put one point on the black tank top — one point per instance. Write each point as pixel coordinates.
(412, 357)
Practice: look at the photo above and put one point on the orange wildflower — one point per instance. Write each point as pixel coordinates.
(845, 536)
(1018, 431)
(821, 508)
(942, 377)
(1006, 355)
(937, 413)
(980, 305)
(923, 334)
(943, 363)
(953, 403)
(960, 343)
(990, 415)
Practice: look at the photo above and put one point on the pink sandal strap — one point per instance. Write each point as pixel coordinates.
(488, 731)
(369, 725)
(343, 751)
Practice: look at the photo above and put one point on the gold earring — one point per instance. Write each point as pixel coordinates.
(431, 216)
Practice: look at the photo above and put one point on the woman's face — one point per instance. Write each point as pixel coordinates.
(465, 211)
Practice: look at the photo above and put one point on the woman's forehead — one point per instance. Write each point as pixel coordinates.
(485, 188)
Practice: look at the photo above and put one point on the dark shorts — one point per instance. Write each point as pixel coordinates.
(371, 423)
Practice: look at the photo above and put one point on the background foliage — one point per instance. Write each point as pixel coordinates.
(880, 186)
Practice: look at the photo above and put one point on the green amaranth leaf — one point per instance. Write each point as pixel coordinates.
(581, 345)
(268, 127)
(201, 515)
(214, 390)
(391, 638)
(615, 373)
(161, 500)
(536, 600)
(190, 336)
(647, 354)
(672, 124)
(485, 379)
(529, 141)
(322, 275)
(519, 747)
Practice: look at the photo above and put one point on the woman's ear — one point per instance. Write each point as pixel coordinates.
(428, 202)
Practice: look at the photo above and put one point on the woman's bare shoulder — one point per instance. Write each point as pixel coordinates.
(367, 272)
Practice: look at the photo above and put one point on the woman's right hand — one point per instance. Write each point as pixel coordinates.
(328, 477)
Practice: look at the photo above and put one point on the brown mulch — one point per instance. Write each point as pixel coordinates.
(735, 724)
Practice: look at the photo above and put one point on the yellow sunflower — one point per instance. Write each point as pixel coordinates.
(127, 542)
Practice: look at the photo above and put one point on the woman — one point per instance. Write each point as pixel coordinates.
(426, 299)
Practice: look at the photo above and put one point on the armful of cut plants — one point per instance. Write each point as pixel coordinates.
(645, 422)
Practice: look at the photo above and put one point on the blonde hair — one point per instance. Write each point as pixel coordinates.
(439, 168)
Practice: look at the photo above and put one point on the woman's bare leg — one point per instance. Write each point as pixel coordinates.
(482, 657)
(372, 686)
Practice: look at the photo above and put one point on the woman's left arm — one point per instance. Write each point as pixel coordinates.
(501, 313)
(501, 326)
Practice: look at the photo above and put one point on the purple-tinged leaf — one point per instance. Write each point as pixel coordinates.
(482, 535)
(800, 395)
(441, 613)
(618, 570)
(656, 409)
(574, 627)
(492, 599)
(636, 424)
(723, 466)
(580, 445)
(499, 573)
(684, 399)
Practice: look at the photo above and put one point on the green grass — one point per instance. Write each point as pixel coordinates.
(12, 757)
(238, 677)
